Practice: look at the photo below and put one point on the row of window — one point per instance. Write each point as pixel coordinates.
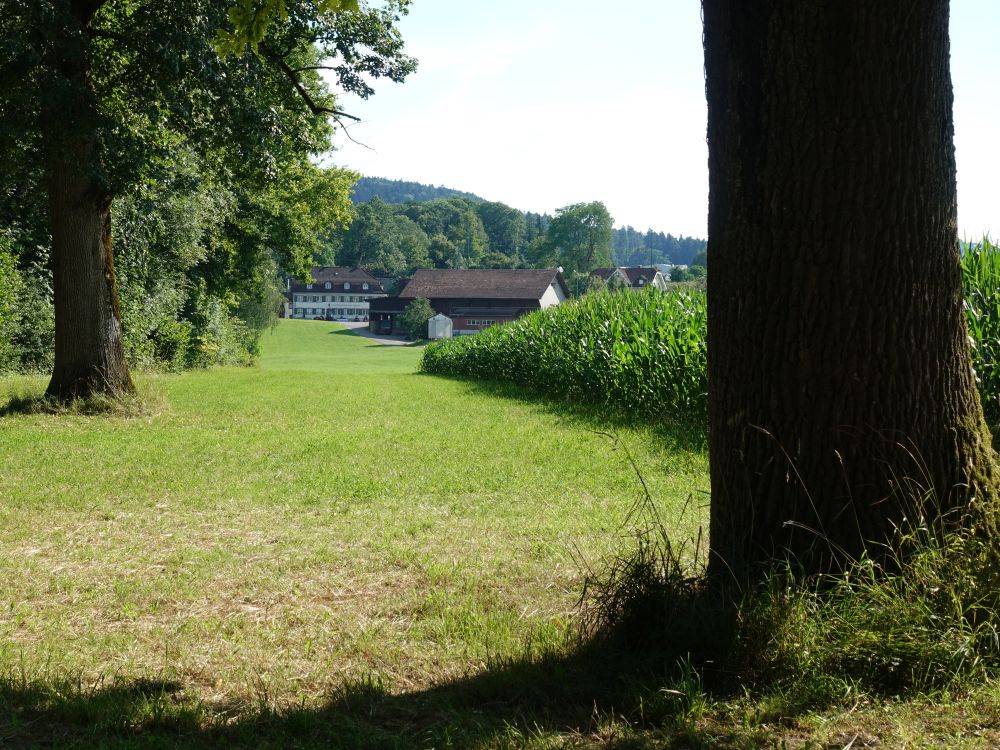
(347, 285)
(477, 322)
(304, 312)
(332, 298)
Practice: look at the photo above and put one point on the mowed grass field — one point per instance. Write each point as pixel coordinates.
(264, 538)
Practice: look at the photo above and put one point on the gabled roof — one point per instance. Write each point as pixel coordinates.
(632, 273)
(486, 283)
(337, 276)
(603, 273)
(635, 273)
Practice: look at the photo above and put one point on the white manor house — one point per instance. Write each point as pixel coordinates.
(334, 292)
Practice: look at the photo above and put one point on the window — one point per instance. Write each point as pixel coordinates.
(323, 299)
(347, 285)
(365, 285)
(309, 286)
(327, 285)
(340, 298)
(298, 297)
(315, 298)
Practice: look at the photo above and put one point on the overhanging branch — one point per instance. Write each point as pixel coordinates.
(292, 75)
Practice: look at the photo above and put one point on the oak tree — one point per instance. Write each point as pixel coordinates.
(840, 385)
(97, 94)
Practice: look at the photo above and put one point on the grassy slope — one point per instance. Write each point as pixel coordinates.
(265, 534)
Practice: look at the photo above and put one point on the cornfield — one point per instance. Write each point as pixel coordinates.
(981, 278)
(645, 352)
(636, 352)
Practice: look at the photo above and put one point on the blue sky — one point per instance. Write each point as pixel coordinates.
(543, 104)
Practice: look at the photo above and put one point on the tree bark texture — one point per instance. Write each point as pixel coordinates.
(840, 381)
(89, 356)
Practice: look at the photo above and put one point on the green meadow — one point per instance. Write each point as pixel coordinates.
(332, 550)
(263, 539)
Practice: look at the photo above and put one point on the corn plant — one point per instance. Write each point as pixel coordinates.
(981, 279)
(637, 352)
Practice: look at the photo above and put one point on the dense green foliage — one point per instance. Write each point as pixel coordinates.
(514, 239)
(414, 318)
(578, 239)
(402, 191)
(981, 278)
(636, 352)
(207, 161)
(395, 239)
(635, 248)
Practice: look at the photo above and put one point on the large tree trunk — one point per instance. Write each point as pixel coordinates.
(89, 357)
(839, 371)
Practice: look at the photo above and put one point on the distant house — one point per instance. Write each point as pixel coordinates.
(633, 277)
(334, 292)
(473, 299)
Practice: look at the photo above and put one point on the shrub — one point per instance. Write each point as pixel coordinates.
(634, 351)
(414, 318)
(10, 289)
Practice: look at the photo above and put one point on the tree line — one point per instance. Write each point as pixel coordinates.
(153, 195)
(399, 226)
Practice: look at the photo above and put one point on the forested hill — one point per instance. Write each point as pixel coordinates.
(506, 233)
(401, 191)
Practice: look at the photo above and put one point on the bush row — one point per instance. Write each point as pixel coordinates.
(633, 351)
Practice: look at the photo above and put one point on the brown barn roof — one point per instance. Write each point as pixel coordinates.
(445, 283)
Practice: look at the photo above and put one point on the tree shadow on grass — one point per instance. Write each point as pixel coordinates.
(675, 432)
(602, 691)
(371, 341)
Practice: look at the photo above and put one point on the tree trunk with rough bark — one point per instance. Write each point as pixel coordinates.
(840, 379)
(89, 356)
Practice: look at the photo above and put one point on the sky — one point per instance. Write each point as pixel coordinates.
(540, 104)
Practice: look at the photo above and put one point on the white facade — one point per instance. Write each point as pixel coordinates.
(316, 304)
(553, 296)
(334, 293)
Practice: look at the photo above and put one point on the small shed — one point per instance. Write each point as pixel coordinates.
(439, 327)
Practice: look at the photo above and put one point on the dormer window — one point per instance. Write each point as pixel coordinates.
(347, 285)
(309, 286)
(327, 285)
(642, 282)
(365, 285)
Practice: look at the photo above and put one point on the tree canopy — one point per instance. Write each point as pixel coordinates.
(130, 105)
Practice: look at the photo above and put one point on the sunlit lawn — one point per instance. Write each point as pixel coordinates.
(262, 535)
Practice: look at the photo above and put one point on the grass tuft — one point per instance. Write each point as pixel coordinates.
(922, 620)
(147, 400)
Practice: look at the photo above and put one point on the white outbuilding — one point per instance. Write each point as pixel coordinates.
(439, 327)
